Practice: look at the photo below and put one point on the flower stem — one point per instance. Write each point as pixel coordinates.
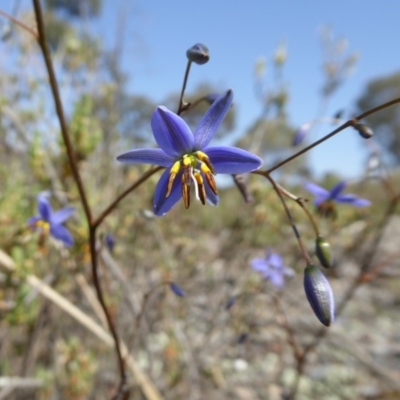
(185, 79)
(333, 133)
(20, 24)
(130, 189)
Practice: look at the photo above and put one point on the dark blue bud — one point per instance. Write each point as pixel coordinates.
(110, 242)
(198, 54)
(177, 289)
(319, 294)
(242, 338)
(301, 133)
(323, 252)
(230, 303)
(364, 130)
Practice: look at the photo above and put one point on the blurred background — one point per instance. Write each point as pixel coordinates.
(309, 66)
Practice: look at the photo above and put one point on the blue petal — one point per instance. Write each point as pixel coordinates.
(146, 156)
(260, 265)
(171, 132)
(232, 160)
(353, 200)
(62, 215)
(32, 221)
(336, 190)
(275, 260)
(44, 208)
(60, 232)
(212, 120)
(316, 190)
(212, 198)
(163, 204)
(276, 278)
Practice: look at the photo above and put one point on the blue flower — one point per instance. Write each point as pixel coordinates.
(272, 267)
(188, 158)
(52, 222)
(335, 195)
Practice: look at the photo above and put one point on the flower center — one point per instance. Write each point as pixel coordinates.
(194, 166)
(44, 226)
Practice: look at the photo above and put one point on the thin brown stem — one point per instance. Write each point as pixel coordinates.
(122, 392)
(59, 108)
(333, 133)
(290, 217)
(130, 189)
(185, 79)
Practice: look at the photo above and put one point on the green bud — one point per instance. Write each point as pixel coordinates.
(319, 294)
(323, 252)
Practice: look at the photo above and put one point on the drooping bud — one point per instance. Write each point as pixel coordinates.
(323, 252)
(364, 130)
(177, 289)
(198, 54)
(319, 294)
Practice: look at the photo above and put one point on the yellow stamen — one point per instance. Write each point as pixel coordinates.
(204, 158)
(200, 185)
(43, 225)
(210, 178)
(174, 170)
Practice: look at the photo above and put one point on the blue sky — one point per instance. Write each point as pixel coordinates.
(157, 34)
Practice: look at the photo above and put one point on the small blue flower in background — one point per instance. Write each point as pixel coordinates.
(188, 159)
(272, 267)
(335, 195)
(49, 222)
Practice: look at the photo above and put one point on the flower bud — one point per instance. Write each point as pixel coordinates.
(301, 133)
(230, 303)
(177, 289)
(323, 252)
(319, 294)
(364, 130)
(198, 54)
(110, 242)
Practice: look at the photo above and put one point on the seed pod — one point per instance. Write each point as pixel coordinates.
(198, 54)
(319, 294)
(323, 252)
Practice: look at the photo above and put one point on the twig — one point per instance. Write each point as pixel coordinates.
(20, 24)
(141, 378)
